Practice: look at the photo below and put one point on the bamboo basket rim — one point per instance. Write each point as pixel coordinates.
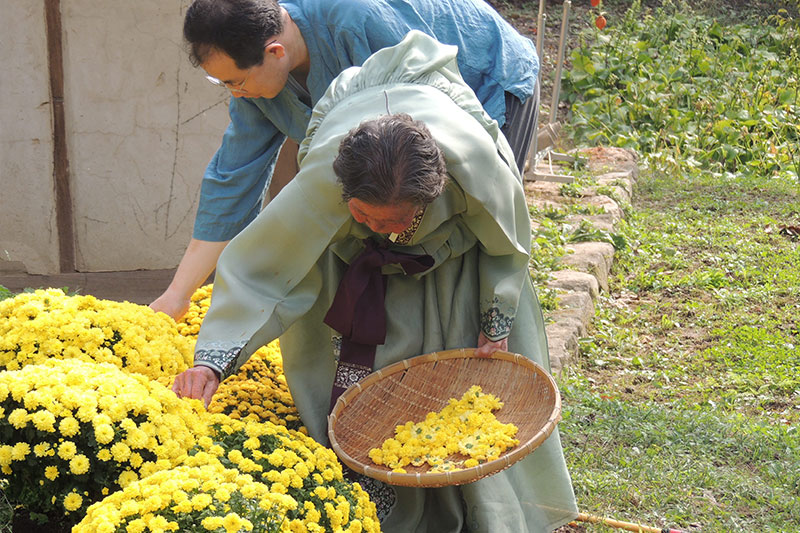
(456, 477)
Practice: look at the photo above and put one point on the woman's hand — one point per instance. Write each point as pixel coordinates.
(199, 382)
(487, 347)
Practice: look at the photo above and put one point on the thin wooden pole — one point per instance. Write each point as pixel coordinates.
(562, 43)
(627, 526)
(61, 181)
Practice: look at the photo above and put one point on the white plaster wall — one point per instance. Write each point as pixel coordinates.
(28, 236)
(142, 124)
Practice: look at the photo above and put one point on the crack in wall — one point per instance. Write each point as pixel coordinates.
(167, 234)
(209, 108)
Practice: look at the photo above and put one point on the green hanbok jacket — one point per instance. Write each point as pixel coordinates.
(278, 278)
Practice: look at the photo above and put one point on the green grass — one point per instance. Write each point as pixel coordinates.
(716, 287)
(678, 465)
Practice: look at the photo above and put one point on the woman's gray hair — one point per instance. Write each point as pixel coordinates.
(391, 159)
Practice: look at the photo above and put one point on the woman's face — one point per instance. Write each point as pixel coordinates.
(394, 218)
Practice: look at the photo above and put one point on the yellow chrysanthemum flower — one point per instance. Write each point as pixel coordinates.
(51, 472)
(67, 450)
(212, 523)
(18, 418)
(73, 501)
(68, 426)
(5, 454)
(44, 421)
(466, 427)
(104, 433)
(79, 464)
(42, 449)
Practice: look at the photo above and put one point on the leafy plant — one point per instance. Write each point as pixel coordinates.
(652, 84)
(586, 232)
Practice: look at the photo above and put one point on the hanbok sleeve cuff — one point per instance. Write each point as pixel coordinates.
(221, 358)
(497, 320)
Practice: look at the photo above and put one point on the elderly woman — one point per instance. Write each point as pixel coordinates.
(405, 232)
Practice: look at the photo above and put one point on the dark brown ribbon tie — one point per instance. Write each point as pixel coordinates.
(358, 310)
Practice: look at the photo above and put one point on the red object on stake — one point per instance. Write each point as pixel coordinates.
(600, 22)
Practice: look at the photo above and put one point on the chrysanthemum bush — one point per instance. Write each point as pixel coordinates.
(77, 428)
(297, 466)
(207, 497)
(189, 324)
(259, 389)
(74, 431)
(243, 476)
(48, 324)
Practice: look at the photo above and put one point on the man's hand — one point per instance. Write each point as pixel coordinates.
(173, 304)
(197, 264)
(199, 382)
(487, 347)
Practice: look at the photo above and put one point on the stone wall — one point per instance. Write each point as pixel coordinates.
(27, 204)
(141, 125)
(587, 264)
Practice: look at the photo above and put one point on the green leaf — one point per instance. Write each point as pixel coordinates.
(786, 96)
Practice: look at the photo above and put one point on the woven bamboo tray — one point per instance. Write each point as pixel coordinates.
(368, 411)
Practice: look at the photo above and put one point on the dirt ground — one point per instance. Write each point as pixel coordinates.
(140, 286)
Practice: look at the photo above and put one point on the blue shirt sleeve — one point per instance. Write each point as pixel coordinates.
(237, 174)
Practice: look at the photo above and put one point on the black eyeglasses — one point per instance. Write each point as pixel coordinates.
(240, 88)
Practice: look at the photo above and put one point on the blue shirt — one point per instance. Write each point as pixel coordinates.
(492, 58)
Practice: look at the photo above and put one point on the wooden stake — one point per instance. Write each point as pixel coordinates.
(627, 526)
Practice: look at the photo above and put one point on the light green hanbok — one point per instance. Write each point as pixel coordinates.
(278, 278)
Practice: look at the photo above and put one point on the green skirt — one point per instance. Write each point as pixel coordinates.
(438, 310)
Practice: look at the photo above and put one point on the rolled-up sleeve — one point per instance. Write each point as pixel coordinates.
(237, 174)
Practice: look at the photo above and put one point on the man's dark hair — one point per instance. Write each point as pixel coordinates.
(391, 159)
(240, 28)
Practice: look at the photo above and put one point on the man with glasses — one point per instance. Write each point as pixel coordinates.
(277, 59)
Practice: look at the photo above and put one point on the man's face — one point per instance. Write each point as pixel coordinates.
(260, 81)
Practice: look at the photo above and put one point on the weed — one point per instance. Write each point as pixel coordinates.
(6, 509)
